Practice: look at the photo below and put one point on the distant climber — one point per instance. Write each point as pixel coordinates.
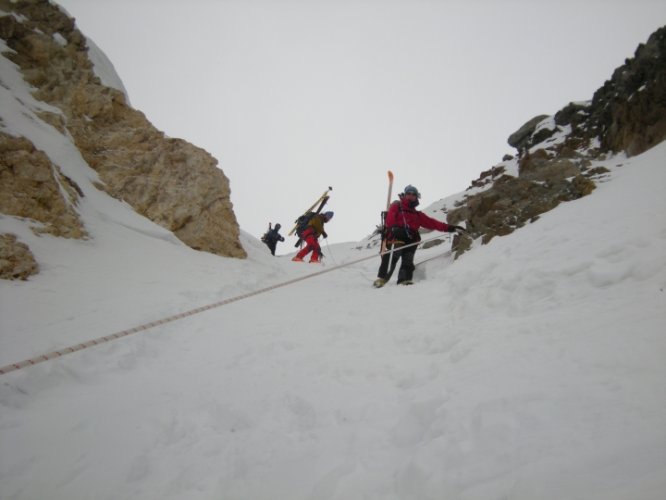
(311, 233)
(402, 226)
(272, 236)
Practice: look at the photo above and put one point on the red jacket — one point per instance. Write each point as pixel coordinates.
(401, 216)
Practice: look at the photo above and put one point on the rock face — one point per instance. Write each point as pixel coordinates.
(169, 181)
(16, 260)
(32, 187)
(627, 114)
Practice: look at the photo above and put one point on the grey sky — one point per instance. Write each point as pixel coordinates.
(292, 96)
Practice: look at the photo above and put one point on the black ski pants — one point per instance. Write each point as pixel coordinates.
(406, 257)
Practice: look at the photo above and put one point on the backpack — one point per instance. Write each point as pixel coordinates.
(303, 221)
(265, 236)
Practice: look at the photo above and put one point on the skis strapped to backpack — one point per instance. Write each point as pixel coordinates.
(382, 248)
(321, 201)
(302, 222)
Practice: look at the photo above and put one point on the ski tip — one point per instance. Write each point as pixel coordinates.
(390, 175)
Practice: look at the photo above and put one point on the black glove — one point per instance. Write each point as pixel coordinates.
(324, 235)
(453, 229)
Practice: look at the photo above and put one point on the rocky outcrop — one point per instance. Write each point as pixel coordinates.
(32, 187)
(170, 181)
(16, 260)
(513, 202)
(547, 176)
(627, 114)
(521, 137)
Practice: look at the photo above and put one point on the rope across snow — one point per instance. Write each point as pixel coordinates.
(141, 328)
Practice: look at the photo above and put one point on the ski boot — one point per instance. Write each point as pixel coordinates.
(379, 282)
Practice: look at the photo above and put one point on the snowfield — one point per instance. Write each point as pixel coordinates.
(532, 367)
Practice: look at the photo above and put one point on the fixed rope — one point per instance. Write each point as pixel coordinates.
(141, 328)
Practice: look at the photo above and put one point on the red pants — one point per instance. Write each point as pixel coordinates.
(311, 245)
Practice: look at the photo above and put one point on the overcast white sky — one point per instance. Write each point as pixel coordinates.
(292, 96)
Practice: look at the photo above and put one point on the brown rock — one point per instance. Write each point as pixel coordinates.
(32, 187)
(16, 260)
(171, 182)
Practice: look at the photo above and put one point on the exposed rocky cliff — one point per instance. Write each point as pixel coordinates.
(627, 114)
(169, 181)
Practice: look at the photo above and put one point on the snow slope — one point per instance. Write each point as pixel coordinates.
(531, 368)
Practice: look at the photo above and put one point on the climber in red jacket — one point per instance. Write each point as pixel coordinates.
(402, 226)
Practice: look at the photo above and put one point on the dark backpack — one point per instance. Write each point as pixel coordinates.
(266, 236)
(303, 221)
